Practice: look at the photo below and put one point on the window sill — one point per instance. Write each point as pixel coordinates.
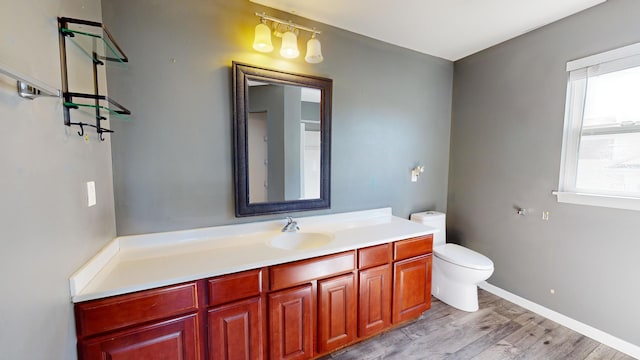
(616, 202)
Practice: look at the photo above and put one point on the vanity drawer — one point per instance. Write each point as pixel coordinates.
(374, 256)
(416, 246)
(98, 316)
(300, 272)
(227, 288)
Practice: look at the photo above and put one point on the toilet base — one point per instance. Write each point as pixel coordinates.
(456, 285)
(462, 297)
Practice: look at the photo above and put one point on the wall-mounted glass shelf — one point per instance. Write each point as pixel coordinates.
(95, 41)
(113, 107)
(117, 113)
(92, 38)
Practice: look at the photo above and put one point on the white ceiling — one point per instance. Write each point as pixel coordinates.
(450, 29)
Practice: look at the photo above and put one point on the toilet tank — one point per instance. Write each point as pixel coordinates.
(435, 220)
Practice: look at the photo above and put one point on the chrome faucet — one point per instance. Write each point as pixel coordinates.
(292, 226)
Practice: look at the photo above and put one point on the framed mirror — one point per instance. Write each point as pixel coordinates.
(282, 139)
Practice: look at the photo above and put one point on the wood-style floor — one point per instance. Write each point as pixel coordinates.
(499, 330)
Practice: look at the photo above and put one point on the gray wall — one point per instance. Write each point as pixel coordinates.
(173, 162)
(505, 153)
(46, 229)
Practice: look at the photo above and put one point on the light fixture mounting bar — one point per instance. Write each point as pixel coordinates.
(288, 23)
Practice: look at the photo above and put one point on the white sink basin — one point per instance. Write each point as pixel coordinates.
(300, 240)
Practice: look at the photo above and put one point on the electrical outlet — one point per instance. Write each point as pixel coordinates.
(545, 215)
(91, 193)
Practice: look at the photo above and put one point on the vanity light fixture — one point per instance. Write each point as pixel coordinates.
(288, 31)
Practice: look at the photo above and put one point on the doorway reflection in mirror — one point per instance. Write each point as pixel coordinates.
(283, 132)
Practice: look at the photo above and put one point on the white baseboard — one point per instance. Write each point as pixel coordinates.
(575, 325)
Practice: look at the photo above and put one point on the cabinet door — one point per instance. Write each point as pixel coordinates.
(412, 288)
(374, 306)
(291, 324)
(336, 312)
(235, 331)
(168, 340)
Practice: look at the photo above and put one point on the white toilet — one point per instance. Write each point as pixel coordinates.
(456, 269)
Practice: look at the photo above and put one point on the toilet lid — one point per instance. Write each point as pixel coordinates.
(462, 256)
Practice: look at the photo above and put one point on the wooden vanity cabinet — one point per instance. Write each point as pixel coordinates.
(236, 317)
(411, 278)
(142, 325)
(293, 311)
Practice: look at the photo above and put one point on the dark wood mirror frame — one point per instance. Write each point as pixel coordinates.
(241, 74)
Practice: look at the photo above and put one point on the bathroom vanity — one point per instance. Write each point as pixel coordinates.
(232, 292)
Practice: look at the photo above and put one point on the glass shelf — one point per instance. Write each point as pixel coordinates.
(92, 38)
(109, 110)
(113, 108)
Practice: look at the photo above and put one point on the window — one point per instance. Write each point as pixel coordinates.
(601, 144)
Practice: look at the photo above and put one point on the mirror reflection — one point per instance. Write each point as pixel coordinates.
(283, 131)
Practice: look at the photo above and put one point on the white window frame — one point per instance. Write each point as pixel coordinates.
(579, 70)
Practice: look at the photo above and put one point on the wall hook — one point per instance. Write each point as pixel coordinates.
(81, 132)
(101, 137)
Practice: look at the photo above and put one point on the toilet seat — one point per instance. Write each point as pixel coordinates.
(462, 256)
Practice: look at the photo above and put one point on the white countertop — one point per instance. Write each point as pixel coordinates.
(140, 262)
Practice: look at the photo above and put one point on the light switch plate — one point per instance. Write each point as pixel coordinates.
(91, 193)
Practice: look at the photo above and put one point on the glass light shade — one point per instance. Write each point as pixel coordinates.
(289, 47)
(262, 40)
(314, 51)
